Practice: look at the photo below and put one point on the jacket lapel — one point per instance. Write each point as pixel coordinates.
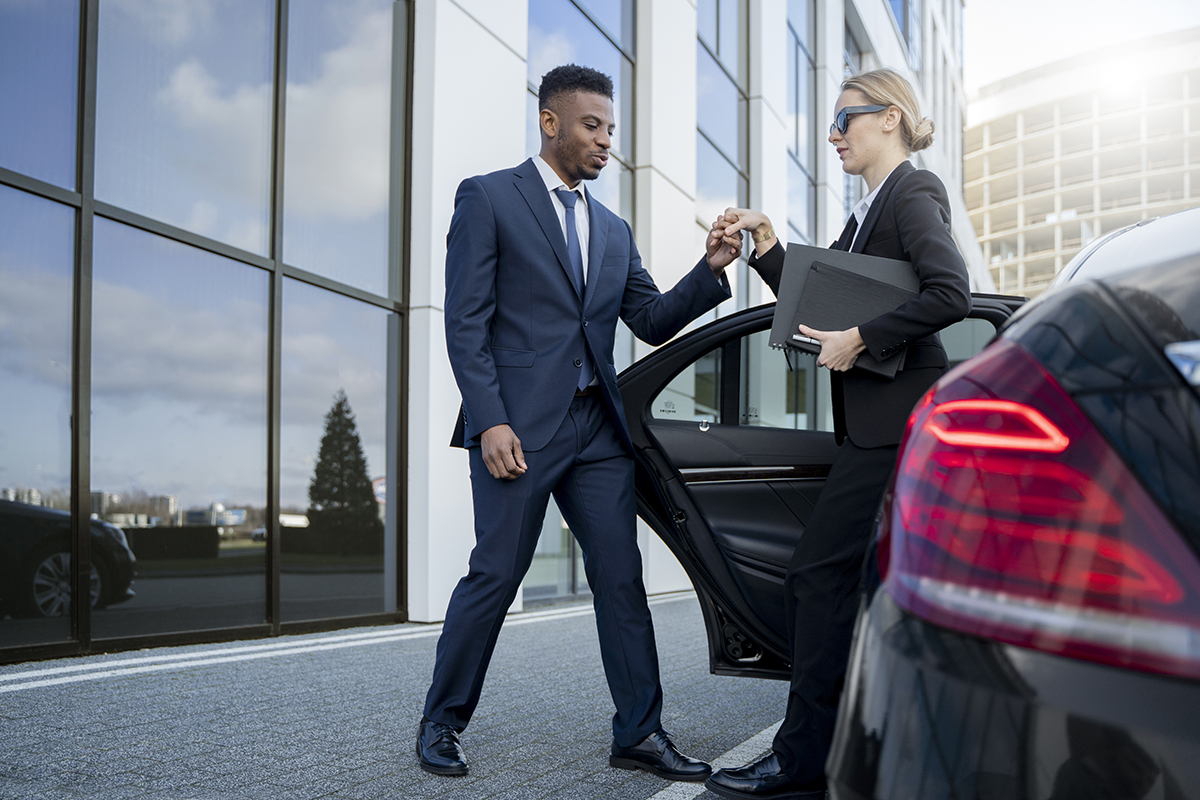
(597, 239)
(531, 186)
(878, 204)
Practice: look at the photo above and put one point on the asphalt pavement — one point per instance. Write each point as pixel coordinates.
(335, 714)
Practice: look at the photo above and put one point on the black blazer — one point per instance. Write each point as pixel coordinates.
(909, 221)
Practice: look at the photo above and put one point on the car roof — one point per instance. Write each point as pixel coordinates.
(1151, 242)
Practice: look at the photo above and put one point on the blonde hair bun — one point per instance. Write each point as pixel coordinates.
(922, 135)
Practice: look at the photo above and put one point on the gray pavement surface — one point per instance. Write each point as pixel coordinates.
(335, 714)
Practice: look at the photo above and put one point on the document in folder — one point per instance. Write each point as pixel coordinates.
(834, 290)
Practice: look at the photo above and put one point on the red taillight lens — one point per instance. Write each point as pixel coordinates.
(1012, 518)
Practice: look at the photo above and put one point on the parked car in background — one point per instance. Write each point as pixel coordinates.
(35, 561)
(1037, 631)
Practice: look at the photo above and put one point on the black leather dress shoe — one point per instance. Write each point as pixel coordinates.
(657, 754)
(762, 779)
(438, 749)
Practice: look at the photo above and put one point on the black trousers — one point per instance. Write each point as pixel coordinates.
(590, 474)
(821, 592)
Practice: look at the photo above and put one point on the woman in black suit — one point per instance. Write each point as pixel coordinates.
(905, 216)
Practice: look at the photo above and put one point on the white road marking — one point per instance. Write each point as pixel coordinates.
(122, 667)
(744, 753)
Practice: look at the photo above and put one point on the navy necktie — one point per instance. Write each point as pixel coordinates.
(568, 199)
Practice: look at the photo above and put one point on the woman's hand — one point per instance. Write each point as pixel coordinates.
(839, 349)
(739, 219)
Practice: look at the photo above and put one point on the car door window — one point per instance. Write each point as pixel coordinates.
(694, 394)
(782, 389)
(776, 388)
(966, 338)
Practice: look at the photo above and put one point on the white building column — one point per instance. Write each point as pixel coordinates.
(664, 223)
(468, 66)
(769, 40)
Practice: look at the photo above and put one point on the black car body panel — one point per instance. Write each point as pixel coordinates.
(929, 713)
(933, 713)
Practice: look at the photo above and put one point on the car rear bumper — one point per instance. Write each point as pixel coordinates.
(929, 713)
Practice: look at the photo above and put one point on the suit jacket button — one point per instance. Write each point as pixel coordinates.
(585, 323)
(579, 362)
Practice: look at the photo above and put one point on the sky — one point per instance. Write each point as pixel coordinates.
(1004, 37)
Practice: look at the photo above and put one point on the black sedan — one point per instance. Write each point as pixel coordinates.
(1037, 632)
(35, 562)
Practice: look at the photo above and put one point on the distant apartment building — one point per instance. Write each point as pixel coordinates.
(1058, 155)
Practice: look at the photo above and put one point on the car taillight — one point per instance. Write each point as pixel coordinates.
(1013, 519)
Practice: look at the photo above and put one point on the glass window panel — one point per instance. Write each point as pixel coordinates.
(179, 429)
(549, 573)
(693, 394)
(37, 256)
(338, 140)
(800, 16)
(706, 22)
(720, 107)
(333, 443)
(183, 115)
(560, 34)
(806, 115)
(39, 69)
(897, 7)
(533, 134)
(779, 395)
(617, 18)
(801, 201)
(793, 96)
(718, 184)
(730, 37)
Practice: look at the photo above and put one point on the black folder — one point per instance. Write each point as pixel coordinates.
(835, 290)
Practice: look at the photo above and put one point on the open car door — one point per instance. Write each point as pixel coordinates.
(733, 444)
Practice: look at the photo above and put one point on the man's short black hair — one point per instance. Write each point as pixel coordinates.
(572, 78)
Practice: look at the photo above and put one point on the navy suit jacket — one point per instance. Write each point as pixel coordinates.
(909, 220)
(517, 330)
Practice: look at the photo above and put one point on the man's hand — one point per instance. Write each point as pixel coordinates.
(502, 452)
(839, 349)
(722, 250)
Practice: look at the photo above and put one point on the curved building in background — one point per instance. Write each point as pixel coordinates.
(1058, 155)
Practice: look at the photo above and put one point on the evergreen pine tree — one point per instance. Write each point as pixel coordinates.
(343, 514)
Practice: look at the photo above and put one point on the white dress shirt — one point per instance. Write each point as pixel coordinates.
(581, 207)
(864, 205)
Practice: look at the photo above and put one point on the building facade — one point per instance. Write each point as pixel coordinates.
(1060, 154)
(222, 242)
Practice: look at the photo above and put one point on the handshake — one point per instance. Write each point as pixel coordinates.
(724, 243)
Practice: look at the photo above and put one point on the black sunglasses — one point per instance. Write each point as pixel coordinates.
(843, 116)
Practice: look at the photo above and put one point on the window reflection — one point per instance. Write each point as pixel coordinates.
(179, 365)
(720, 108)
(183, 115)
(39, 68)
(559, 34)
(718, 184)
(616, 16)
(694, 394)
(801, 204)
(336, 158)
(333, 444)
(37, 245)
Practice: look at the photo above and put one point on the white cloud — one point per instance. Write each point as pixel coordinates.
(547, 51)
(173, 21)
(339, 128)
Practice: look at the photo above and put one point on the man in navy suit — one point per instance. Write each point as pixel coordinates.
(537, 274)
